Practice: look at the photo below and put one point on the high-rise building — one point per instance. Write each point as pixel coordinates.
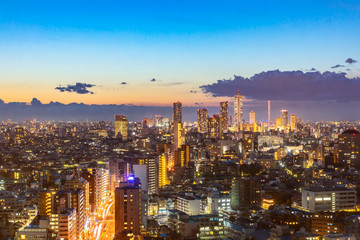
(278, 123)
(74, 183)
(178, 136)
(101, 185)
(177, 114)
(90, 178)
(182, 156)
(238, 109)
(214, 126)
(162, 171)
(349, 148)
(45, 202)
(245, 194)
(284, 116)
(67, 229)
(252, 117)
(121, 127)
(269, 112)
(224, 115)
(128, 208)
(152, 176)
(292, 122)
(202, 116)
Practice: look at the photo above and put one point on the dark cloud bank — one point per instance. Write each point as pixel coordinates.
(289, 86)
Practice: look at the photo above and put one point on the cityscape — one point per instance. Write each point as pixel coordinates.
(184, 120)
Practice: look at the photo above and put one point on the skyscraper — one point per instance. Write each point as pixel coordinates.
(177, 114)
(162, 171)
(202, 115)
(214, 126)
(121, 126)
(224, 115)
(292, 122)
(269, 112)
(128, 208)
(178, 138)
(238, 109)
(252, 117)
(284, 116)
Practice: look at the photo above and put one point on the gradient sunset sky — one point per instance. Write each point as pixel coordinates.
(181, 44)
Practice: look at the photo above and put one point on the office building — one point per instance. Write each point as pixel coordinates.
(238, 109)
(45, 198)
(202, 116)
(349, 148)
(328, 199)
(178, 134)
(224, 115)
(162, 171)
(152, 176)
(292, 122)
(252, 117)
(214, 126)
(177, 112)
(284, 118)
(245, 194)
(67, 229)
(182, 156)
(128, 208)
(121, 127)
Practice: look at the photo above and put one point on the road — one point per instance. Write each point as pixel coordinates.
(102, 223)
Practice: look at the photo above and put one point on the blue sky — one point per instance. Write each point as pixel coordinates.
(182, 44)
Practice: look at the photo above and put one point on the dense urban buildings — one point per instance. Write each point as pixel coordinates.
(157, 179)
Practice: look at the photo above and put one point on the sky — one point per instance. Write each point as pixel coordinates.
(152, 53)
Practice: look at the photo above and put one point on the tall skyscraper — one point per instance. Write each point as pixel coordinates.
(269, 112)
(162, 171)
(214, 126)
(284, 116)
(128, 208)
(238, 109)
(178, 137)
(252, 117)
(121, 126)
(177, 114)
(202, 115)
(292, 122)
(224, 115)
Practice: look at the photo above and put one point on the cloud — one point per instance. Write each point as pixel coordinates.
(337, 66)
(35, 102)
(289, 86)
(153, 80)
(312, 70)
(123, 83)
(350, 61)
(193, 91)
(172, 84)
(79, 88)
